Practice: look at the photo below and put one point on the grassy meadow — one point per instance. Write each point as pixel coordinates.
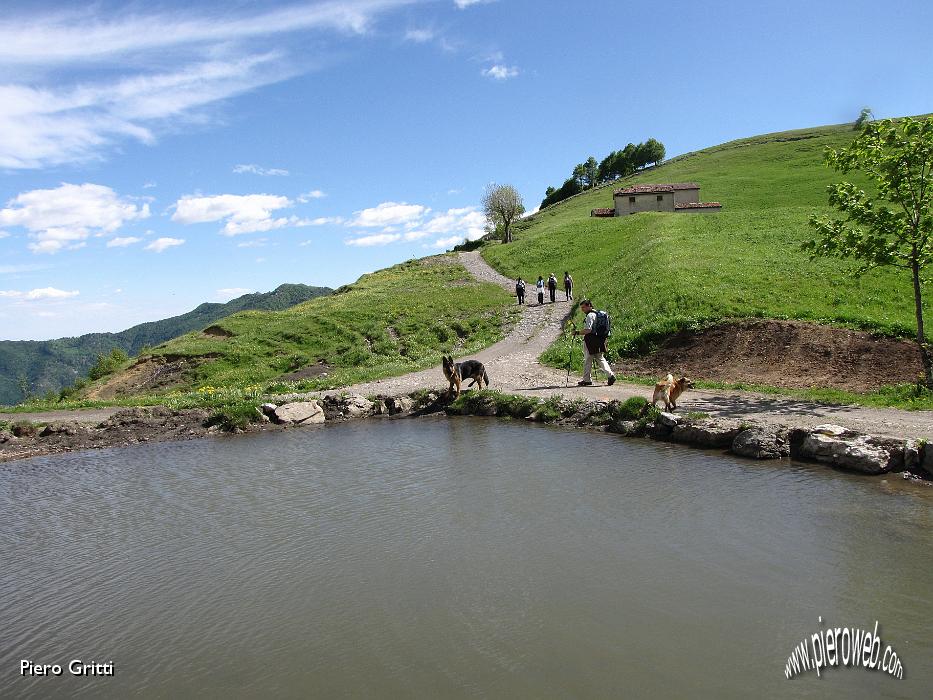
(658, 273)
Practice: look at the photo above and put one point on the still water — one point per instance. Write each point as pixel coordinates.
(460, 558)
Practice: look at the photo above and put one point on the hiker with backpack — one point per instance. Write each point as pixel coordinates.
(568, 286)
(596, 329)
(552, 287)
(539, 285)
(520, 290)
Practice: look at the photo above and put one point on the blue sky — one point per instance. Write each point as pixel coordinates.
(157, 155)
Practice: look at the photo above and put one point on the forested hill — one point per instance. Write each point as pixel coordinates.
(49, 365)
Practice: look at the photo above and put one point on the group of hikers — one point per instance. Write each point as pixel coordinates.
(551, 285)
(596, 325)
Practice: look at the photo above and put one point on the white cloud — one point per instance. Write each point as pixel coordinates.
(501, 72)
(66, 216)
(162, 244)
(253, 169)
(122, 242)
(258, 243)
(375, 239)
(304, 244)
(457, 224)
(324, 220)
(4, 234)
(466, 3)
(389, 214)
(447, 242)
(202, 58)
(420, 36)
(249, 213)
(38, 294)
(308, 196)
(232, 293)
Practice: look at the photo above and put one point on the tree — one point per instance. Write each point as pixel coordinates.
(654, 151)
(502, 205)
(590, 172)
(579, 174)
(864, 117)
(895, 227)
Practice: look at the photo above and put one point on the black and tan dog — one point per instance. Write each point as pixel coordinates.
(458, 372)
(670, 389)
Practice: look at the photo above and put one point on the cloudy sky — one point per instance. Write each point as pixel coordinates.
(157, 155)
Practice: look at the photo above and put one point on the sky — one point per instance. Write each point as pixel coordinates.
(157, 155)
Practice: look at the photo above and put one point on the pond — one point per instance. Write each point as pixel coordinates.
(452, 558)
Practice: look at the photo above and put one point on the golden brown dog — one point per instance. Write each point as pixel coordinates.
(670, 389)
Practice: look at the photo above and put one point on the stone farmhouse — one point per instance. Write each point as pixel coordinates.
(678, 197)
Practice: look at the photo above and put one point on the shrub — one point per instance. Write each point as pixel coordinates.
(235, 416)
(467, 246)
(108, 364)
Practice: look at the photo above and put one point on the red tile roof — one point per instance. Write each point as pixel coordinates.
(649, 189)
(697, 205)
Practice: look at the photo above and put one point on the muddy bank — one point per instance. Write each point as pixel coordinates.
(789, 354)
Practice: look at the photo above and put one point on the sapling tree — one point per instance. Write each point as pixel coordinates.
(894, 226)
(502, 205)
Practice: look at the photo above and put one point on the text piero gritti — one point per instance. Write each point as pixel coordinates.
(75, 667)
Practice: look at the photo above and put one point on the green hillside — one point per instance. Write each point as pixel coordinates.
(49, 365)
(661, 272)
(389, 322)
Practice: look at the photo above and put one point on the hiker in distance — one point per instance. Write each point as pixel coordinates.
(540, 287)
(568, 286)
(520, 290)
(596, 329)
(552, 287)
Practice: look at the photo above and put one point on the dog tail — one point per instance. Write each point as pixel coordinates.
(486, 377)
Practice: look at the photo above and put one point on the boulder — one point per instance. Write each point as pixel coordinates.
(861, 453)
(760, 443)
(706, 433)
(399, 404)
(663, 425)
(628, 428)
(356, 406)
(926, 459)
(831, 430)
(68, 429)
(380, 408)
(302, 412)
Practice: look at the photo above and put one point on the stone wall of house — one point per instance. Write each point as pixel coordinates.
(686, 196)
(644, 201)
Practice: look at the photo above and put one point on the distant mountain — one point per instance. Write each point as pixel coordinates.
(52, 364)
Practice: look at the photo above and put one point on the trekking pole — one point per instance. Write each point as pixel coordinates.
(570, 338)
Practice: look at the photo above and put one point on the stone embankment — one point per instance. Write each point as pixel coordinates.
(832, 445)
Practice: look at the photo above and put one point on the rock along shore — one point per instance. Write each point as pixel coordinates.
(832, 445)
